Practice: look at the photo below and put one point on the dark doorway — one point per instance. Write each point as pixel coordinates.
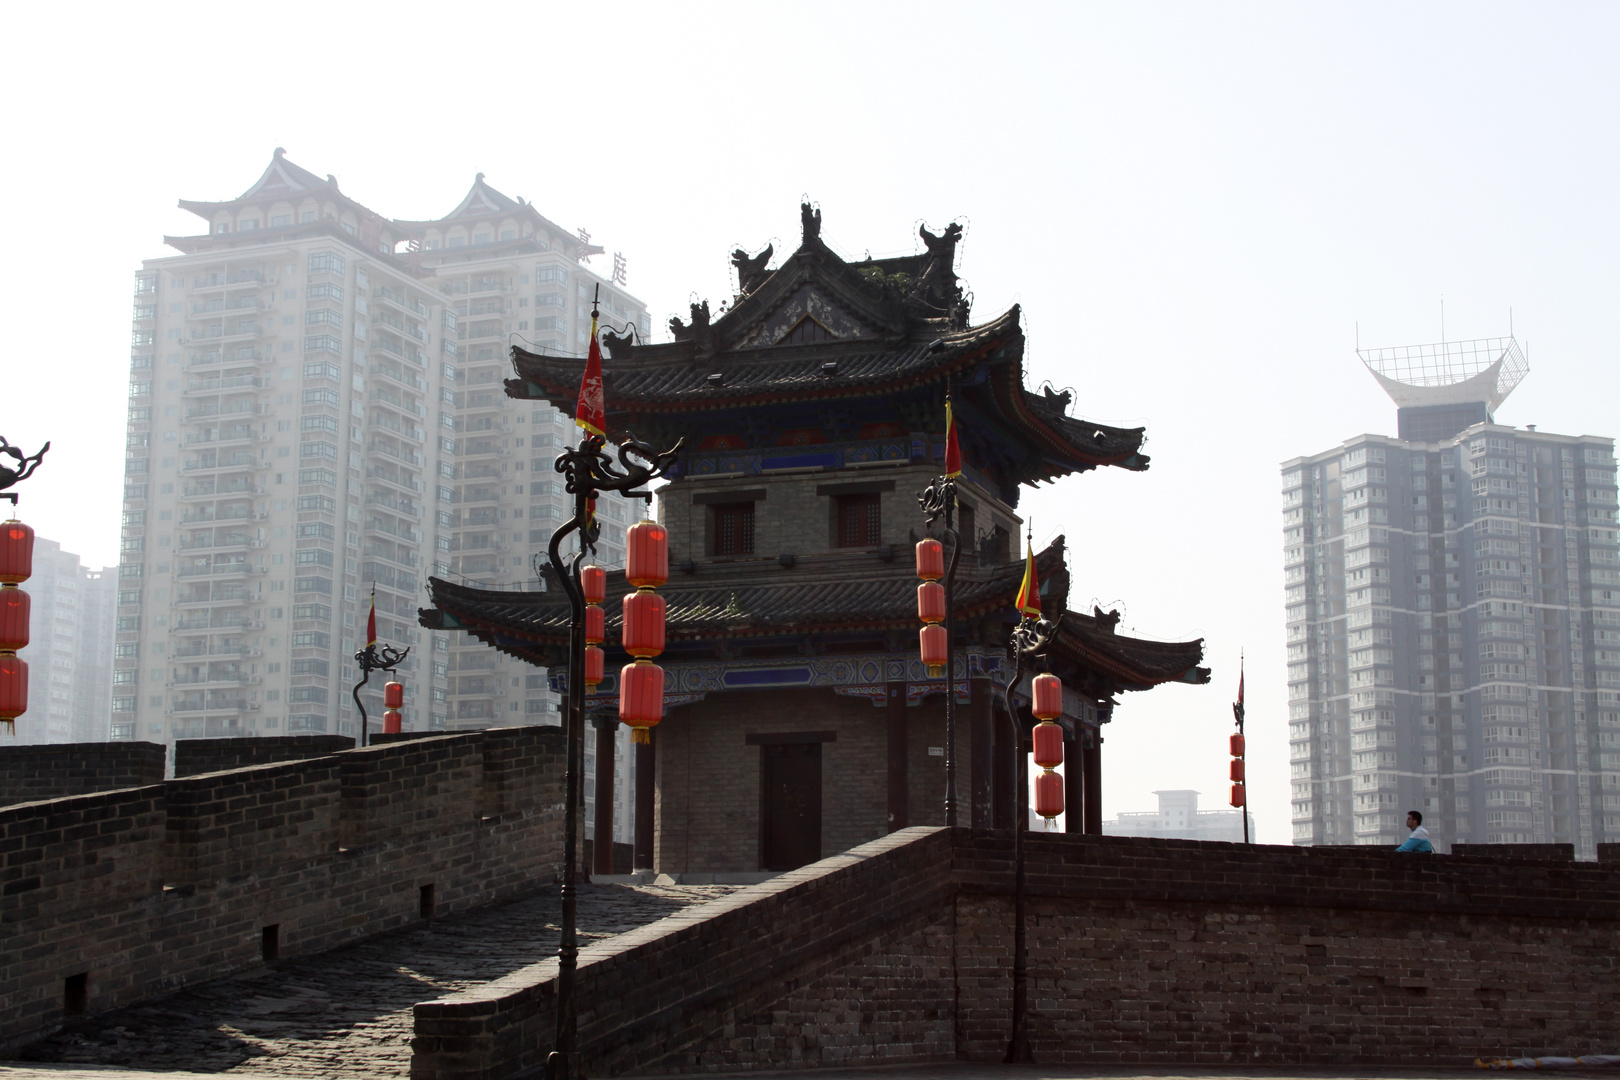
(790, 805)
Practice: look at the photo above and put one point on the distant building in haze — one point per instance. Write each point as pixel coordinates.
(316, 411)
(1178, 818)
(70, 648)
(1453, 618)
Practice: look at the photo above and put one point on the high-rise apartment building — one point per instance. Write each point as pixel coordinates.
(70, 647)
(1453, 619)
(315, 413)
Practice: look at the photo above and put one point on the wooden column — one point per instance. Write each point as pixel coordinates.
(1005, 783)
(1093, 781)
(644, 803)
(899, 763)
(607, 728)
(981, 756)
(1074, 780)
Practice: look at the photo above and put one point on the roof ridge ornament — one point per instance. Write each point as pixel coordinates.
(810, 220)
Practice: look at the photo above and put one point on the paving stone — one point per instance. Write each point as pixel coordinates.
(348, 1012)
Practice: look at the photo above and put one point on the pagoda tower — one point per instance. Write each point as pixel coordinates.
(800, 719)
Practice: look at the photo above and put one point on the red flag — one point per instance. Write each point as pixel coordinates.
(371, 620)
(591, 412)
(1237, 706)
(1029, 593)
(953, 452)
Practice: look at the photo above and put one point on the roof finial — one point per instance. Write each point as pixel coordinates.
(280, 152)
(479, 179)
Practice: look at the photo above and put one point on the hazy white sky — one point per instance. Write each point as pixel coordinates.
(1196, 204)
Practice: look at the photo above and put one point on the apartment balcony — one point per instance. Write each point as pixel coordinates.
(213, 600)
(405, 454)
(218, 385)
(404, 482)
(403, 507)
(404, 303)
(236, 461)
(241, 433)
(228, 570)
(239, 543)
(403, 378)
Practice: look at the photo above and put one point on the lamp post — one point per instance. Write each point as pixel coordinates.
(1031, 639)
(374, 657)
(939, 498)
(589, 471)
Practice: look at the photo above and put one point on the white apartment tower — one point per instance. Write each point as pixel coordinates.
(70, 648)
(316, 412)
(1453, 619)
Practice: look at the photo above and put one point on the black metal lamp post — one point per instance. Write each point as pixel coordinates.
(589, 471)
(373, 657)
(938, 498)
(1032, 638)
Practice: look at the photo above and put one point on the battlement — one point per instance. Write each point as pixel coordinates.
(137, 891)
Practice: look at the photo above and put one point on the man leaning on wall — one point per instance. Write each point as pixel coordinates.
(1419, 840)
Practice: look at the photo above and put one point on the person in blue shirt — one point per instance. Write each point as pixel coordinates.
(1419, 840)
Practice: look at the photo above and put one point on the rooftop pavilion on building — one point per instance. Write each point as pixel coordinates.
(812, 409)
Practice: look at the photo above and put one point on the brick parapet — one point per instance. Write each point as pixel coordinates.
(57, 770)
(148, 889)
(193, 756)
(1140, 951)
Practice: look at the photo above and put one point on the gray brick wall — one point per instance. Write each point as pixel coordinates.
(52, 770)
(150, 888)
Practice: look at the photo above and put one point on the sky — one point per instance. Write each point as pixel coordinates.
(1199, 206)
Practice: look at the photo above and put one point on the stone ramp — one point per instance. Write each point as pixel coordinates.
(347, 1012)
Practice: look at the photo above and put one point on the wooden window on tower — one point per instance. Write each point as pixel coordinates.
(860, 521)
(734, 529)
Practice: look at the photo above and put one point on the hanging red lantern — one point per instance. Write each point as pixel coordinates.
(1237, 746)
(392, 722)
(1047, 703)
(930, 559)
(595, 624)
(1049, 795)
(593, 580)
(643, 631)
(14, 605)
(13, 688)
(393, 695)
(646, 554)
(931, 602)
(641, 698)
(1237, 770)
(594, 665)
(933, 648)
(1237, 794)
(1048, 742)
(16, 552)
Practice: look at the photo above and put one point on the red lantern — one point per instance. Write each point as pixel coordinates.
(1048, 740)
(930, 560)
(1237, 770)
(933, 648)
(393, 695)
(14, 606)
(391, 719)
(593, 580)
(1237, 746)
(1237, 794)
(646, 554)
(595, 624)
(594, 663)
(1049, 795)
(931, 602)
(1048, 702)
(13, 688)
(643, 631)
(641, 698)
(16, 552)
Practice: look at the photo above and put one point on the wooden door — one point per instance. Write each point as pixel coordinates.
(790, 811)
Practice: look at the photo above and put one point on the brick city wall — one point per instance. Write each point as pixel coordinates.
(1141, 951)
(193, 756)
(53, 770)
(147, 889)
